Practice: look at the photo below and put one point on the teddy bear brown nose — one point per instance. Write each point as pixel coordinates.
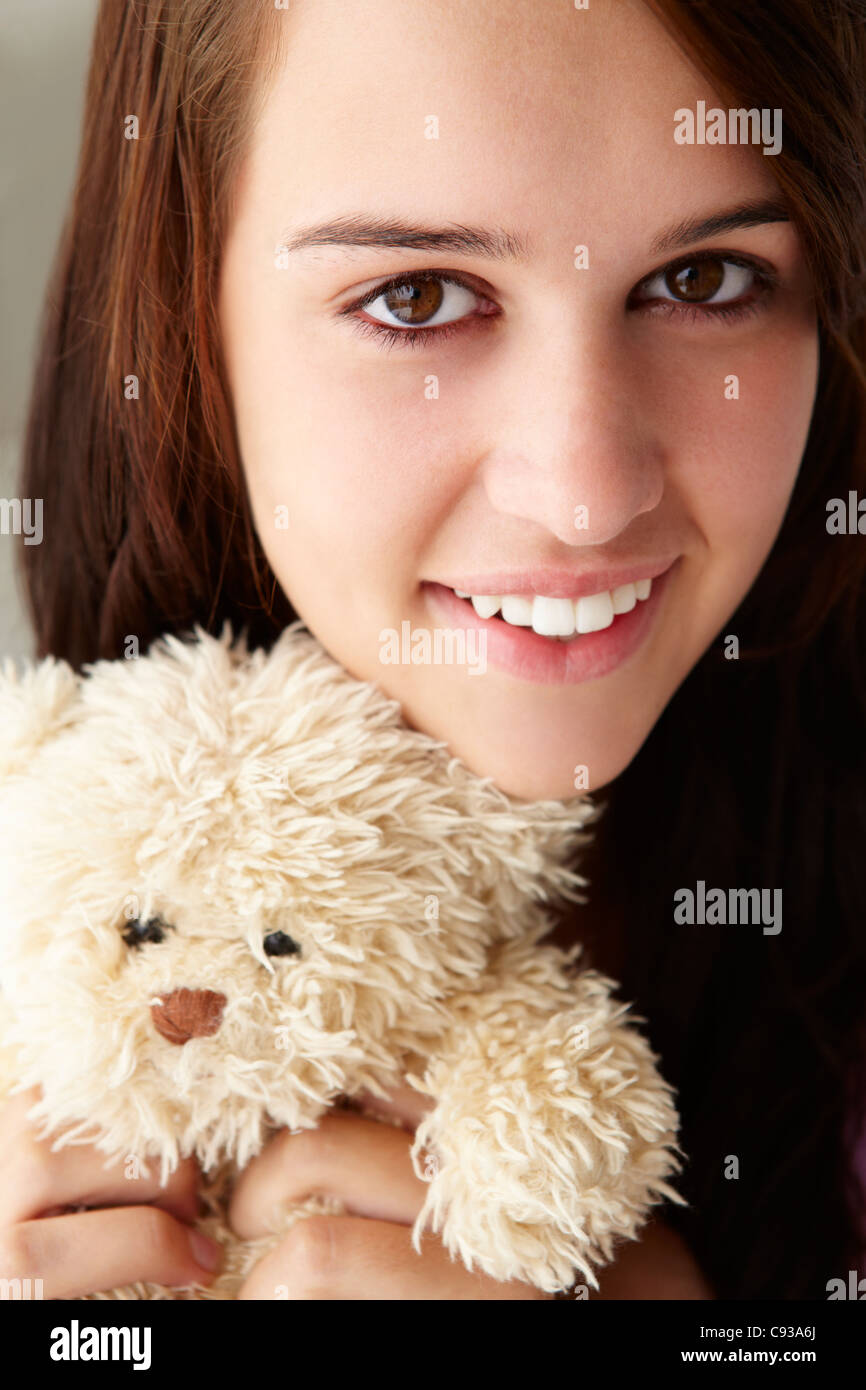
(187, 1013)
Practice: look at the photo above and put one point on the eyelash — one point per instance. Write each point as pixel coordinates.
(765, 283)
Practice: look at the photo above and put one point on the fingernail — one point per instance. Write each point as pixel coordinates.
(206, 1252)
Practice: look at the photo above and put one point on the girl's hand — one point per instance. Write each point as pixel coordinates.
(366, 1255)
(138, 1230)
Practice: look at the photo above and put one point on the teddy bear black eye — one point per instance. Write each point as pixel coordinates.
(137, 932)
(277, 943)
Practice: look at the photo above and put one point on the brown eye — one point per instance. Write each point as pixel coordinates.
(418, 306)
(695, 282)
(414, 301)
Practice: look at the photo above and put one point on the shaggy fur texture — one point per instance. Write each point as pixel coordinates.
(222, 796)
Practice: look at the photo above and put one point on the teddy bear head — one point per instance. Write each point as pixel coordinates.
(235, 886)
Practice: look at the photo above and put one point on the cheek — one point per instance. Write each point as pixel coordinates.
(343, 462)
(736, 446)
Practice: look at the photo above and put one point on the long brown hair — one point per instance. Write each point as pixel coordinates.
(146, 520)
(755, 773)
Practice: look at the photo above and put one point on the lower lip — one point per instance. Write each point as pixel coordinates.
(520, 652)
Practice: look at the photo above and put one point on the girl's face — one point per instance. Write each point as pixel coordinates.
(595, 368)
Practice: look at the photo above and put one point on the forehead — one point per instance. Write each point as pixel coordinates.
(550, 119)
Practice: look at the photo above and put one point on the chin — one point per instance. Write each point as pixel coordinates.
(529, 779)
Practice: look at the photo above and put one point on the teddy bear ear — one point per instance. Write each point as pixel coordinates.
(36, 702)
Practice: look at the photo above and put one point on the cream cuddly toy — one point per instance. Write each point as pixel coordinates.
(236, 888)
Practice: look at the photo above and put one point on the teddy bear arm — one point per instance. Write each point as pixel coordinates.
(552, 1132)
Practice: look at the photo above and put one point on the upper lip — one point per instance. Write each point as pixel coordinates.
(558, 583)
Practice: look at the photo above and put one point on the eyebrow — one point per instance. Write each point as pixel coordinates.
(394, 234)
(495, 243)
(753, 214)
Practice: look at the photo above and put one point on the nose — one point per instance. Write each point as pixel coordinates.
(187, 1013)
(577, 448)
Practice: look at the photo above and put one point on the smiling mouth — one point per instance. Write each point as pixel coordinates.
(558, 638)
(561, 618)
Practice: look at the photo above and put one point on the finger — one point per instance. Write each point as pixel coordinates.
(91, 1252)
(365, 1164)
(82, 1182)
(346, 1257)
(403, 1103)
(37, 1180)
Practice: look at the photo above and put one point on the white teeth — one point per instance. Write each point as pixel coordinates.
(624, 598)
(553, 617)
(560, 617)
(485, 605)
(594, 612)
(517, 610)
